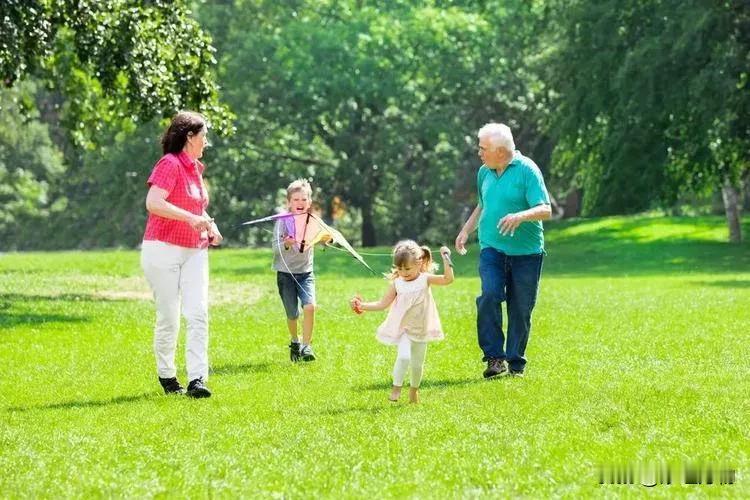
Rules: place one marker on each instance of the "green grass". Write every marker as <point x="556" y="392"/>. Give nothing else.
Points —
<point x="638" y="354"/>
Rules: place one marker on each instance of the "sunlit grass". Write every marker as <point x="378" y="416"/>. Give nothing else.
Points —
<point x="638" y="353"/>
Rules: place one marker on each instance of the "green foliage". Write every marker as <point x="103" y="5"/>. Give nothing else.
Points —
<point x="29" y="164"/>
<point x="113" y="60"/>
<point x="608" y="380"/>
<point x="374" y="100"/>
<point x="650" y="98"/>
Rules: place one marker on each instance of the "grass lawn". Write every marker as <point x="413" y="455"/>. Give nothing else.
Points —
<point x="638" y="354"/>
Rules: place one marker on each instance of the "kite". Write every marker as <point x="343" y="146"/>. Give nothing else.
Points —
<point x="308" y="229"/>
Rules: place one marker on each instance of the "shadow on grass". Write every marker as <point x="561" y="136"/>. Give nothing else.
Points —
<point x="632" y="246"/>
<point x="386" y="386"/>
<point x="725" y="283"/>
<point x="373" y="410"/>
<point x="12" y="320"/>
<point x="243" y="368"/>
<point x="71" y="405"/>
<point x="61" y="297"/>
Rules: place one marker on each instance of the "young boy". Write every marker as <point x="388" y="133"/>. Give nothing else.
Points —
<point x="293" y="261"/>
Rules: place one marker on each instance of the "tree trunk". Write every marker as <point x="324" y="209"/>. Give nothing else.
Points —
<point x="731" y="196"/>
<point x="572" y="204"/>
<point x="368" y="227"/>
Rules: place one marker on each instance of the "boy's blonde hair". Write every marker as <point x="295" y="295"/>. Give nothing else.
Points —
<point x="299" y="185"/>
<point x="407" y="252"/>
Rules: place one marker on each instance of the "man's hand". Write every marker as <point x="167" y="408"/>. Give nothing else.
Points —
<point x="509" y="224"/>
<point x="461" y="242"/>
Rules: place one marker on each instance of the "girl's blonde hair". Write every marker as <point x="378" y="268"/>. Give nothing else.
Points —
<point x="407" y="252"/>
<point x="299" y="185"/>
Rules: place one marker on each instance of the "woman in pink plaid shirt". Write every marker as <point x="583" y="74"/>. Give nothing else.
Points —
<point x="174" y="255"/>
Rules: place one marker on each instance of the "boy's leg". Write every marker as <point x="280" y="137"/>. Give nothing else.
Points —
<point x="288" y="293"/>
<point x="306" y="291"/>
<point x="291" y="324"/>
<point x="308" y="322"/>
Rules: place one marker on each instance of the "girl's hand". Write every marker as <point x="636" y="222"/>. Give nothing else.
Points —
<point x="446" y="254"/>
<point x="356" y="304"/>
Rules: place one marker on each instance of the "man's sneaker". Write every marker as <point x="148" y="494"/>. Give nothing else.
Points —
<point x="294" y="348"/>
<point x="197" y="389"/>
<point x="307" y="353"/>
<point x="171" y="386"/>
<point x="495" y="368"/>
<point x="516" y="373"/>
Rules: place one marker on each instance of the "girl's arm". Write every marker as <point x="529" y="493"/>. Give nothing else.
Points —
<point x="447" y="277"/>
<point x="358" y="306"/>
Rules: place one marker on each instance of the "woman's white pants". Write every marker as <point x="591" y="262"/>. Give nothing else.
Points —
<point x="176" y="273"/>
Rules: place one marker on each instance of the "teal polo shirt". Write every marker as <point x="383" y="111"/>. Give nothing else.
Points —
<point x="518" y="188"/>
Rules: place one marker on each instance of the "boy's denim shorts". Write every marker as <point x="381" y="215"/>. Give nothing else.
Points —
<point x="295" y="289"/>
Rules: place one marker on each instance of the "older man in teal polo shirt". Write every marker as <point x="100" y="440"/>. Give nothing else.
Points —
<point x="512" y="203"/>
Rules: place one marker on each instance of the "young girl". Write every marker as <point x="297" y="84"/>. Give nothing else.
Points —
<point x="413" y="319"/>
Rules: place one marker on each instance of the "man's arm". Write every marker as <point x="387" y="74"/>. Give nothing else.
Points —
<point x="470" y="225"/>
<point x="510" y="222"/>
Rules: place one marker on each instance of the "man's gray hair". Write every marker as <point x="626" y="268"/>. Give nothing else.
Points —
<point x="499" y="136"/>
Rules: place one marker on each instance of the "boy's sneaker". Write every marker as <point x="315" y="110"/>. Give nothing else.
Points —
<point x="516" y="373"/>
<point x="197" y="389"/>
<point x="171" y="386"/>
<point x="307" y="353"/>
<point x="495" y="368"/>
<point x="294" y="348"/>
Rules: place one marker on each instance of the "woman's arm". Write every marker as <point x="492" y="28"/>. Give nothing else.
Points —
<point x="157" y="204"/>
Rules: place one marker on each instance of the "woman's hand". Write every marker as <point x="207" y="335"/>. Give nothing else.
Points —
<point x="200" y="222"/>
<point x="214" y="235"/>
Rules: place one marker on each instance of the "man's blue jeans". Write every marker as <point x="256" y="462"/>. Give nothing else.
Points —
<point x="513" y="279"/>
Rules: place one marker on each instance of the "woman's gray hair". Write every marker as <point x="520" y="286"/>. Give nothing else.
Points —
<point x="499" y="136"/>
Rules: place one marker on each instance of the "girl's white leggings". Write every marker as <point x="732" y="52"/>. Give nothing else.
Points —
<point x="409" y="353"/>
<point x="176" y="273"/>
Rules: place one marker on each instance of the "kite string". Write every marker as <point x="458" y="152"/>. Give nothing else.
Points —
<point x="281" y="254"/>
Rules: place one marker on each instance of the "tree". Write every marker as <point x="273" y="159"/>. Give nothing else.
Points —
<point x="29" y="163"/>
<point x="651" y="100"/>
<point x="112" y="60"/>
<point x="374" y="97"/>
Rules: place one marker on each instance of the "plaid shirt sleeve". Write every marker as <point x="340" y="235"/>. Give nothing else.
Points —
<point x="164" y="175"/>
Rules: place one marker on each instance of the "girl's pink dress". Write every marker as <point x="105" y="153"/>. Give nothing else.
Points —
<point x="413" y="313"/>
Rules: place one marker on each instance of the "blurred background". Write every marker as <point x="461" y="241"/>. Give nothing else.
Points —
<point x="627" y="106"/>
